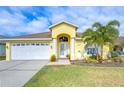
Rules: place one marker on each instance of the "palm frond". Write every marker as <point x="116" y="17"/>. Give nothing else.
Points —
<point x="97" y="25"/>
<point x="114" y="23"/>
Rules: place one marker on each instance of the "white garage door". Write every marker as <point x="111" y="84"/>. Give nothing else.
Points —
<point x="30" y="51"/>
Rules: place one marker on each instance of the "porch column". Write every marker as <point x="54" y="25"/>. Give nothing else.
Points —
<point x="72" y="49"/>
<point x="54" y="46"/>
<point x="8" y="48"/>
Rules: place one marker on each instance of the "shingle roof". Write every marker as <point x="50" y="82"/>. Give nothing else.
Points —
<point x="119" y="41"/>
<point x="78" y="34"/>
<point x="1" y="36"/>
<point x="42" y="35"/>
<point x="37" y="35"/>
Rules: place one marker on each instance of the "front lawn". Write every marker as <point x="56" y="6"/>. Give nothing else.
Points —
<point x="77" y="76"/>
<point x="2" y="58"/>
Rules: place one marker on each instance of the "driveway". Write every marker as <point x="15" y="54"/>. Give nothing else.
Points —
<point x="17" y="73"/>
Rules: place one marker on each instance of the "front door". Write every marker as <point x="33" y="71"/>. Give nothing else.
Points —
<point x="63" y="49"/>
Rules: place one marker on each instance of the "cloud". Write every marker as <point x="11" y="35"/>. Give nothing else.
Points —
<point x="16" y="23"/>
<point x="25" y="20"/>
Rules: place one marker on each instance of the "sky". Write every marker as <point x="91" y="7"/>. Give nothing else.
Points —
<point x="15" y="21"/>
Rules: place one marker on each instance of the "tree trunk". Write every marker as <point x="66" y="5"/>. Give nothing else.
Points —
<point x="97" y="54"/>
<point x="101" y="55"/>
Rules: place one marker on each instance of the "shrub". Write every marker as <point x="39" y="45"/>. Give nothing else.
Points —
<point x="92" y="56"/>
<point x="2" y="57"/>
<point x="114" y="54"/>
<point x="117" y="59"/>
<point x="68" y="56"/>
<point x="53" y="58"/>
<point x="89" y="60"/>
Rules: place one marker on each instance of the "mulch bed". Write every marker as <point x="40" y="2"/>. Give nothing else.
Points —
<point x="105" y="64"/>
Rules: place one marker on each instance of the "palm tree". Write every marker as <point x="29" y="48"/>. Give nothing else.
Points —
<point x="100" y="35"/>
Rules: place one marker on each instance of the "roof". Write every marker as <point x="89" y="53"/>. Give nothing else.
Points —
<point x="47" y="36"/>
<point x="119" y="41"/>
<point x="63" y="22"/>
<point x="78" y="34"/>
<point x="42" y="35"/>
<point x="1" y="36"/>
<point x="37" y="35"/>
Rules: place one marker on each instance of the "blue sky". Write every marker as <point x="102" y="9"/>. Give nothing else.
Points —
<point x="28" y="20"/>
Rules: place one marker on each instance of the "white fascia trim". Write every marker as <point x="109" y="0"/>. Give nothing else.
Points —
<point x="78" y="38"/>
<point x="25" y="39"/>
<point x="62" y="22"/>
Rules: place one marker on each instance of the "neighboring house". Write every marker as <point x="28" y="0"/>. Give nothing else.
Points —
<point x="2" y="47"/>
<point x="62" y="40"/>
<point x="120" y="43"/>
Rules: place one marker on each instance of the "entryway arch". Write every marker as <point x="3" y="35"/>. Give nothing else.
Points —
<point x="63" y="45"/>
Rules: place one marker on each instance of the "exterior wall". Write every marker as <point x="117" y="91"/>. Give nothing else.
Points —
<point x="79" y="46"/>
<point x="105" y="51"/>
<point x="63" y="29"/>
<point x="8" y="49"/>
<point x="72" y="48"/>
<point x="8" y="46"/>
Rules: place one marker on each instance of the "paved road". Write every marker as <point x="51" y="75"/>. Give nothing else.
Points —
<point x="17" y="73"/>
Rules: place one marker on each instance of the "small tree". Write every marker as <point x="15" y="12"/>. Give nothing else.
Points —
<point x="100" y="35"/>
<point x="53" y="58"/>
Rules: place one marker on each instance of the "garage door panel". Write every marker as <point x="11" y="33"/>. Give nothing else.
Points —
<point x="30" y="52"/>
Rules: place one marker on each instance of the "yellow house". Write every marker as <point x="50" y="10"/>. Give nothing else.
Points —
<point x="62" y="40"/>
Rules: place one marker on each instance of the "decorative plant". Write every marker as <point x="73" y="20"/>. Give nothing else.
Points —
<point x="53" y="58"/>
<point x="68" y="56"/>
<point x="100" y="35"/>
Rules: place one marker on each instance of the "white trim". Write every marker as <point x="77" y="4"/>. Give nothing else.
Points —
<point x="62" y="22"/>
<point x="72" y="48"/>
<point x="25" y="39"/>
<point x="78" y="38"/>
<point x="54" y="46"/>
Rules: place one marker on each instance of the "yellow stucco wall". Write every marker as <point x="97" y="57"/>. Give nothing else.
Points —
<point x="63" y="29"/>
<point x="8" y="49"/>
<point x="105" y="51"/>
<point x="79" y="46"/>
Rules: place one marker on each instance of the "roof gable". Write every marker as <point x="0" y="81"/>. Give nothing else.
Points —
<point x="63" y="22"/>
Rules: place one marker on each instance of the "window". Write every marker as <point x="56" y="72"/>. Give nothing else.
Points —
<point x="22" y="44"/>
<point x="14" y="44"/>
<point x="63" y="39"/>
<point x="47" y="44"/>
<point x="42" y="44"/>
<point x="27" y="44"/>
<point x="32" y="44"/>
<point x="37" y="44"/>
<point x="91" y="51"/>
<point x="17" y="44"/>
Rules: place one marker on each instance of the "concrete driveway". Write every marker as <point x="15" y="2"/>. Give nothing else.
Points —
<point x="17" y="73"/>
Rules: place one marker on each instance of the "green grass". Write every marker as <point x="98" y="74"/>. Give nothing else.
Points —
<point x="2" y="58"/>
<point x="77" y="76"/>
